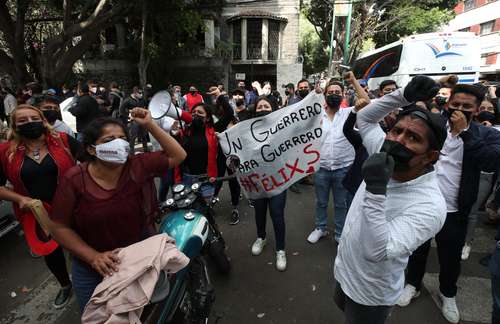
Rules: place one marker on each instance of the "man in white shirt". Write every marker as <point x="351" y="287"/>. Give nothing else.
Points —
<point x="9" y="103"/>
<point x="469" y="149"/>
<point x="337" y="155"/>
<point x="396" y="209"/>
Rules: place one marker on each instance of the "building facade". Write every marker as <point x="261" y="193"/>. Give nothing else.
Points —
<point x="483" y="18"/>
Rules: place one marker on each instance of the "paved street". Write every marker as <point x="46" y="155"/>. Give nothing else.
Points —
<point x="255" y="292"/>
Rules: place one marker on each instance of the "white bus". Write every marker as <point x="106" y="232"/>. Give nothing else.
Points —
<point x="433" y="54"/>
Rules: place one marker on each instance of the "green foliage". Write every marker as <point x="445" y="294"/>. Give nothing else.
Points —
<point x="310" y="47"/>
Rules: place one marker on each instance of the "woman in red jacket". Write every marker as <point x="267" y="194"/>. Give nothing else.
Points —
<point x="200" y="143"/>
<point x="33" y="161"/>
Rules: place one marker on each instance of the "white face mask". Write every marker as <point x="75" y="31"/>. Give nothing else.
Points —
<point x="116" y="151"/>
<point x="266" y="92"/>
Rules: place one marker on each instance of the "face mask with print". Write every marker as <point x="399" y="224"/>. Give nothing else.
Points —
<point x="116" y="151"/>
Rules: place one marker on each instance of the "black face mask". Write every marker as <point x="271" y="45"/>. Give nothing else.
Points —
<point x="262" y="113"/>
<point x="198" y="122"/>
<point x="399" y="153"/>
<point x="31" y="130"/>
<point x="440" y="101"/>
<point x="239" y="102"/>
<point x="287" y="93"/>
<point x="51" y="115"/>
<point x="468" y="114"/>
<point x="193" y="93"/>
<point x="486" y="116"/>
<point x="333" y="101"/>
<point x="303" y="93"/>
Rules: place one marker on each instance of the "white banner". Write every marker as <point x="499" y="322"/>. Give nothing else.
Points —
<point x="277" y="150"/>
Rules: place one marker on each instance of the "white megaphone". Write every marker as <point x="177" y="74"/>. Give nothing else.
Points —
<point x="161" y="105"/>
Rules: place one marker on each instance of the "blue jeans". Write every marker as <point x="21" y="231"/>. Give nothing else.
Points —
<point x="277" y="211"/>
<point x="495" y="284"/>
<point x="85" y="280"/>
<point x="325" y="180"/>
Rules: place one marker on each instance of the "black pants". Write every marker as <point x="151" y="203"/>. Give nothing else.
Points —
<point x="56" y="262"/>
<point x="234" y="186"/>
<point x="359" y="314"/>
<point x="450" y="241"/>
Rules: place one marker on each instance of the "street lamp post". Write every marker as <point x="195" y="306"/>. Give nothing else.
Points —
<point x="347" y="34"/>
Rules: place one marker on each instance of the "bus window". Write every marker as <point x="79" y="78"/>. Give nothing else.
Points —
<point x="381" y="64"/>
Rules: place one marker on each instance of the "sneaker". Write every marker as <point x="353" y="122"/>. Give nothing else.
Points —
<point x="235" y="217"/>
<point x="316" y="235"/>
<point x="63" y="297"/>
<point x="258" y="246"/>
<point x="409" y="293"/>
<point x="466" y="251"/>
<point x="281" y="260"/>
<point x="449" y="309"/>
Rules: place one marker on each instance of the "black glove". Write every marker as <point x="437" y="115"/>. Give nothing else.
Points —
<point x="377" y="170"/>
<point x="421" y="88"/>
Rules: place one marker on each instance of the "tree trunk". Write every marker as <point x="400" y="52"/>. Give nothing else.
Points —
<point x="143" y="60"/>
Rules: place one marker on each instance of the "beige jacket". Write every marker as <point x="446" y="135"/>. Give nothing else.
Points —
<point x="120" y="298"/>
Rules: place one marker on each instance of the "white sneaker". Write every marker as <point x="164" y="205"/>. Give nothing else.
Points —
<point x="281" y="260"/>
<point x="258" y="246"/>
<point x="316" y="235"/>
<point x="466" y="251"/>
<point x="409" y="293"/>
<point x="449" y="309"/>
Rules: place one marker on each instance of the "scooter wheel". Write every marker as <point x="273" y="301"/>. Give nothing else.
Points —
<point x="218" y="254"/>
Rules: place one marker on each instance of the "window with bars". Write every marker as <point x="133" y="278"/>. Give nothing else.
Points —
<point x="273" y="40"/>
<point x="469" y="5"/>
<point x="254" y="39"/>
<point x="237" y="40"/>
<point x="487" y="27"/>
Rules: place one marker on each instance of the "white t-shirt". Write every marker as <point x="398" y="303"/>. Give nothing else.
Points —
<point x="336" y="151"/>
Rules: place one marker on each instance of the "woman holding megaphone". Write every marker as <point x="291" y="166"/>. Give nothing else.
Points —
<point x="33" y="161"/>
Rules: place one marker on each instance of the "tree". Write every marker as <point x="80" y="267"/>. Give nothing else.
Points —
<point x="382" y="20"/>
<point x="310" y="47"/>
<point x="76" y="27"/>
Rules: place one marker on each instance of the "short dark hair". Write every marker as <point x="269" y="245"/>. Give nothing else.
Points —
<point x="84" y="88"/>
<point x="473" y="90"/>
<point x="385" y="83"/>
<point x="93" y="131"/>
<point x="113" y="84"/>
<point x="48" y="99"/>
<point x="290" y="86"/>
<point x="334" y="82"/>
<point x="303" y="80"/>
<point x="35" y="87"/>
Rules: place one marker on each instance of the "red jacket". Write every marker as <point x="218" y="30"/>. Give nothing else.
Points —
<point x="191" y="100"/>
<point x="58" y="148"/>
<point x="212" y="155"/>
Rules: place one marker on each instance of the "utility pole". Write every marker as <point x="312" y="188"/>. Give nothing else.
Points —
<point x="330" y="56"/>
<point x="347" y="34"/>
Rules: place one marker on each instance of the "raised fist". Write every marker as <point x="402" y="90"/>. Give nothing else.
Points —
<point x="421" y="88"/>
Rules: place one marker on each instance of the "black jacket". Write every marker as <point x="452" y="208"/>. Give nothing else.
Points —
<point x="354" y="177"/>
<point x="481" y="153"/>
<point x="85" y="111"/>
<point x="128" y="104"/>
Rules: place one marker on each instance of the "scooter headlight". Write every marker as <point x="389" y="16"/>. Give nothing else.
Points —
<point x="178" y="188"/>
<point x="195" y="187"/>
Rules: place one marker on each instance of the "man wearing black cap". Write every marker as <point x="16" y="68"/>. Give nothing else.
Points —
<point x="396" y="209"/>
<point x="469" y="149"/>
<point x="85" y="111"/>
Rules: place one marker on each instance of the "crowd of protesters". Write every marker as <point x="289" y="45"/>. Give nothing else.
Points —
<point x="404" y="163"/>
